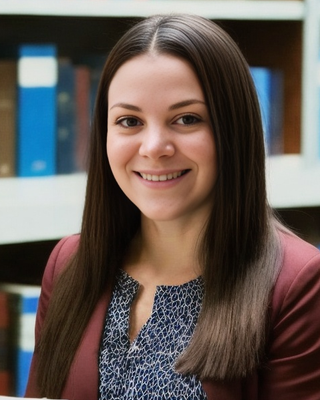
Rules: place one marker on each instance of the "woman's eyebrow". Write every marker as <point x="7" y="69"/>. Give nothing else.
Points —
<point x="127" y="106"/>
<point x="185" y="103"/>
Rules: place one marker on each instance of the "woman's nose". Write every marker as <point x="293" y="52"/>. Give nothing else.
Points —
<point x="156" y="143"/>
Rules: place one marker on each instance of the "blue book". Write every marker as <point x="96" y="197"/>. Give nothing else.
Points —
<point x="269" y="86"/>
<point x="262" y="80"/>
<point x="66" y="117"/>
<point x="23" y="303"/>
<point x="37" y="81"/>
<point x="277" y="111"/>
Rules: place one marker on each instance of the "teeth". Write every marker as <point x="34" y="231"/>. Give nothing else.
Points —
<point x="162" y="178"/>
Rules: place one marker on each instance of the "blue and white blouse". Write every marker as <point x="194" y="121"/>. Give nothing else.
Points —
<point x="144" y="369"/>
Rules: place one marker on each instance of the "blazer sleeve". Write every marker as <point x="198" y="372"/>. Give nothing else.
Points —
<point x="57" y="260"/>
<point x="293" y="368"/>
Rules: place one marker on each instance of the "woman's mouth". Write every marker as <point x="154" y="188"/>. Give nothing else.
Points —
<point x="163" y="177"/>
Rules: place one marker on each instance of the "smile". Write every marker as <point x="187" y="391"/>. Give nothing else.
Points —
<point x="162" y="178"/>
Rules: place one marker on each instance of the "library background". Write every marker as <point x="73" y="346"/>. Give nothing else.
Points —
<point x="51" y="55"/>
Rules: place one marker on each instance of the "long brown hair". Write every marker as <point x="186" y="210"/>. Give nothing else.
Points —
<point x="239" y="250"/>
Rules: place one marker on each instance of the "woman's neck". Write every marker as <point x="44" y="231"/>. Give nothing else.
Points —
<point x="165" y="253"/>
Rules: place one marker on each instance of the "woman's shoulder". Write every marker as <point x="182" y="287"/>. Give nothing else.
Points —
<point x="65" y="248"/>
<point x="297" y="250"/>
<point x="60" y="256"/>
<point x="294" y="340"/>
<point x="58" y="259"/>
<point x="299" y="275"/>
<point x="297" y="255"/>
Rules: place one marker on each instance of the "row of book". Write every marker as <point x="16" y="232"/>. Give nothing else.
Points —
<point x="46" y="104"/>
<point x="18" y="306"/>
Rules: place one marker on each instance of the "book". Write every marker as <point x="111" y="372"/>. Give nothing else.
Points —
<point x="82" y="104"/>
<point x="277" y="111"/>
<point x="4" y="341"/>
<point x="269" y="86"/>
<point x="66" y="117"/>
<point x="36" y="137"/>
<point x="96" y="65"/>
<point x="8" y="83"/>
<point x="23" y="303"/>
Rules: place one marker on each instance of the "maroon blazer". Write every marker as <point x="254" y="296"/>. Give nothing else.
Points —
<point x="293" y="368"/>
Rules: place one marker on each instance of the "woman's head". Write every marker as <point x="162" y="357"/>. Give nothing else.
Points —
<point x="160" y="144"/>
<point x="223" y="73"/>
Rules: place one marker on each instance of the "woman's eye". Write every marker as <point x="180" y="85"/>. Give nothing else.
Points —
<point x="187" y="120"/>
<point x="129" y="122"/>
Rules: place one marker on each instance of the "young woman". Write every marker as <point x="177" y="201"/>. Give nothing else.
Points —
<point x="182" y="284"/>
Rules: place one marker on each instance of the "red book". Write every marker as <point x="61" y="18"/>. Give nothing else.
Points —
<point x="5" y="386"/>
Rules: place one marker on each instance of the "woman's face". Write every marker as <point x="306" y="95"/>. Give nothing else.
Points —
<point x="160" y="143"/>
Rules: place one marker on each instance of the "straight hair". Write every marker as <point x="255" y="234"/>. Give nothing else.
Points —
<point x="239" y="249"/>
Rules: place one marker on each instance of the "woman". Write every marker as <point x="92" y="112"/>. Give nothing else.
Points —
<point x="182" y="284"/>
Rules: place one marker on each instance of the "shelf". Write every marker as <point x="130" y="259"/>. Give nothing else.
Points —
<point x="227" y="9"/>
<point x="292" y="183"/>
<point x="34" y="209"/>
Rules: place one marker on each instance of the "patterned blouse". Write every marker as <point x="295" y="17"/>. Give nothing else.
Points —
<point x="144" y="369"/>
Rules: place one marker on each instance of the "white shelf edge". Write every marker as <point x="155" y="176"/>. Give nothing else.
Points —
<point x="292" y="183"/>
<point x="34" y="209"/>
<point x="215" y="9"/>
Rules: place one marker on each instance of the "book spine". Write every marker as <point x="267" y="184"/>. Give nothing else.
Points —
<point x="26" y="342"/>
<point x="269" y="86"/>
<point x="82" y="115"/>
<point x="65" y="117"/>
<point x="8" y="83"/>
<point x="5" y="388"/>
<point x="23" y="303"/>
<point x="262" y="79"/>
<point x="37" y="81"/>
<point x="276" y="113"/>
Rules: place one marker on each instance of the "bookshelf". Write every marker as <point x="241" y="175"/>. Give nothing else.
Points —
<point x="36" y="212"/>
<point x="276" y="33"/>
